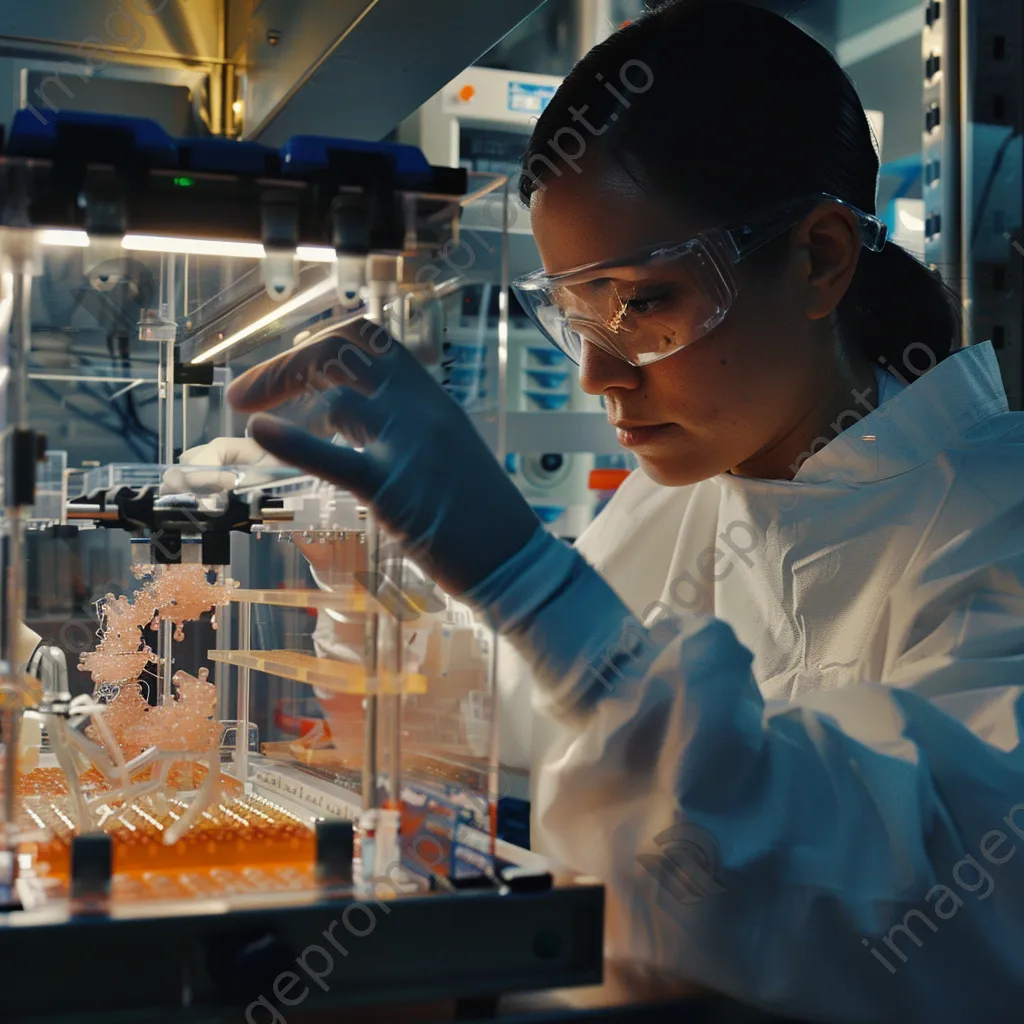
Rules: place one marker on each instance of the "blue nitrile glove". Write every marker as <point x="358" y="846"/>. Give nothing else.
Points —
<point x="435" y="486"/>
<point x="427" y="474"/>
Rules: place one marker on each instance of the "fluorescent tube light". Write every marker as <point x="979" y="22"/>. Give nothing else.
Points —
<point x="64" y="236"/>
<point x="193" y="246"/>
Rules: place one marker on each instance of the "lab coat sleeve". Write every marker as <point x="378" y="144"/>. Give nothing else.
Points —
<point x="852" y="857"/>
<point x="325" y="641"/>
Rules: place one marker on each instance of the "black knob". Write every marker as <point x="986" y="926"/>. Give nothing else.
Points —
<point x="551" y="462"/>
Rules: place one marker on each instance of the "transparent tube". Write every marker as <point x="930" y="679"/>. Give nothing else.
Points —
<point x="12" y="691"/>
<point x="242" y="723"/>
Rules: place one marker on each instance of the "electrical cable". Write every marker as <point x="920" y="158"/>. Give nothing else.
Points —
<point x="126" y="427"/>
<point x="92" y="417"/>
<point x="986" y="192"/>
<point x="128" y="413"/>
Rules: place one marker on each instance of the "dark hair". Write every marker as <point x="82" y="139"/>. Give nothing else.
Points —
<point x="733" y="109"/>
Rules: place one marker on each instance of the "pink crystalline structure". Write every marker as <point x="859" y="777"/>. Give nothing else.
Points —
<point x="123" y="714"/>
<point x="117" y="658"/>
<point x="178" y="593"/>
<point x="183" y="724"/>
<point x="181" y="593"/>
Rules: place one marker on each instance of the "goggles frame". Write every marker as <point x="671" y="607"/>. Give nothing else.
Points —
<point x="717" y="249"/>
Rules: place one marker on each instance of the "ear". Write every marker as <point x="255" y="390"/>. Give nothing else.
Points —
<point x="830" y="242"/>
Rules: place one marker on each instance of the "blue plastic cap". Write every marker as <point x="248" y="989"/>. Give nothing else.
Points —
<point x="302" y="154"/>
<point x="228" y="156"/>
<point x="30" y="136"/>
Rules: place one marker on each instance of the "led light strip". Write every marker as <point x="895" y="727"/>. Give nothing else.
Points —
<point x="187" y="246"/>
<point x="193" y="246"/>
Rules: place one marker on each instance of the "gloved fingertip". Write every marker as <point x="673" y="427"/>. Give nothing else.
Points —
<point x="239" y="393"/>
<point x="266" y="429"/>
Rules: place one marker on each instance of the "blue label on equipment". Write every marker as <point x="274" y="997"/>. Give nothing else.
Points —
<point x="529" y="97"/>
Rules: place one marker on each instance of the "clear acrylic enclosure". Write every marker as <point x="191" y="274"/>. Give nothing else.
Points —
<point x="233" y="655"/>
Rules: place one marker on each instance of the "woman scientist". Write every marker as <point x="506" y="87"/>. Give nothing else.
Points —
<point x="788" y="733"/>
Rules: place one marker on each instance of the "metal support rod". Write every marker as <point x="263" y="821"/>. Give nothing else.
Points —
<point x="394" y="725"/>
<point x="965" y="130"/>
<point x="943" y="146"/>
<point x="370" y="752"/>
<point x="165" y="636"/>
<point x="242" y="715"/>
<point x="165" y="646"/>
<point x="167" y="385"/>
<point x="370" y="661"/>
<point x="502" y="440"/>
<point x="184" y="313"/>
<point x="168" y="285"/>
<point x="184" y="416"/>
<point x="65" y="484"/>
<point x="396" y="581"/>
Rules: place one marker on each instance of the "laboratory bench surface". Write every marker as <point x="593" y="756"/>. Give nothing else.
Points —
<point x="630" y="993"/>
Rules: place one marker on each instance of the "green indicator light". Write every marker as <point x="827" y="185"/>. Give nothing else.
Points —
<point x="184" y="182"/>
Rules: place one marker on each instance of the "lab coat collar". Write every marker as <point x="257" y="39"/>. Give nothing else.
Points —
<point x="927" y="417"/>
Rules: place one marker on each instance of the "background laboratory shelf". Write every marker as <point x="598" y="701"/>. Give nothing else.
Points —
<point x="337" y="676"/>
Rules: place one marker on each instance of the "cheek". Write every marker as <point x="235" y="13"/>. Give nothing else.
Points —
<point x="714" y="382"/>
<point x="732" y="380"/>
<point x="758" y="346"/>
<point x="695" y="387"/>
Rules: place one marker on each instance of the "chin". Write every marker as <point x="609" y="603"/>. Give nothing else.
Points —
<point x="675" y="472"/>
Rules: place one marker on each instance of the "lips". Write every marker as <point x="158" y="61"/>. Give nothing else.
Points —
<point x="638" y="435"/>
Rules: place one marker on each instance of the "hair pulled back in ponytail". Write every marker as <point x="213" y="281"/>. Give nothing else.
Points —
<point x="733" y="109"/>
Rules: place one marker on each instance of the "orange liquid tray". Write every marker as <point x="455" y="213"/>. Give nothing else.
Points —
<point x="235" y="832"/>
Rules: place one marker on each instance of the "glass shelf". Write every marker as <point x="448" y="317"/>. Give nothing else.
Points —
<point x="352" y="599"/>
<point x="347" y="599"/>
<point x="336" y="676"/>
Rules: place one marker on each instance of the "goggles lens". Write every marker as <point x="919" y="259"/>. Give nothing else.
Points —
<point x="659" y="301"/>
<point x="639" y="313"/>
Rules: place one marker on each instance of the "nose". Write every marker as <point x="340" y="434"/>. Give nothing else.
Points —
<point x="600" y="371"/>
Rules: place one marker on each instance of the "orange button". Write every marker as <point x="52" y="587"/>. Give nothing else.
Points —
<point x="607" y="479"/>
<point x="467" y="92"/>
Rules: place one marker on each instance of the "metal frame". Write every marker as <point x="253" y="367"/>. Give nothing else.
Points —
<point x="196" y="81"/>
<point x="973" y="163"/>
<point x="205" y="961"/>
<point x="941" y="147"/>
<point x="289" y="69"/>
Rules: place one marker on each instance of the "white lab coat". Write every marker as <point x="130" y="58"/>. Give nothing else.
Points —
<point x="805" y="788"/>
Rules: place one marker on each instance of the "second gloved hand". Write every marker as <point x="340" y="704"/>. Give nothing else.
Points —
<point x="417" y="460"/>
<point x="196" y="470"/>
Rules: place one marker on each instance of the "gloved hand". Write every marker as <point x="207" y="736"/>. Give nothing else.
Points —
<point x="431" y="480"/>
<point x="221" y="451"/>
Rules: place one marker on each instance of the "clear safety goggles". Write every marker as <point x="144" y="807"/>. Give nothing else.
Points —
<point x="650" y="304"/>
